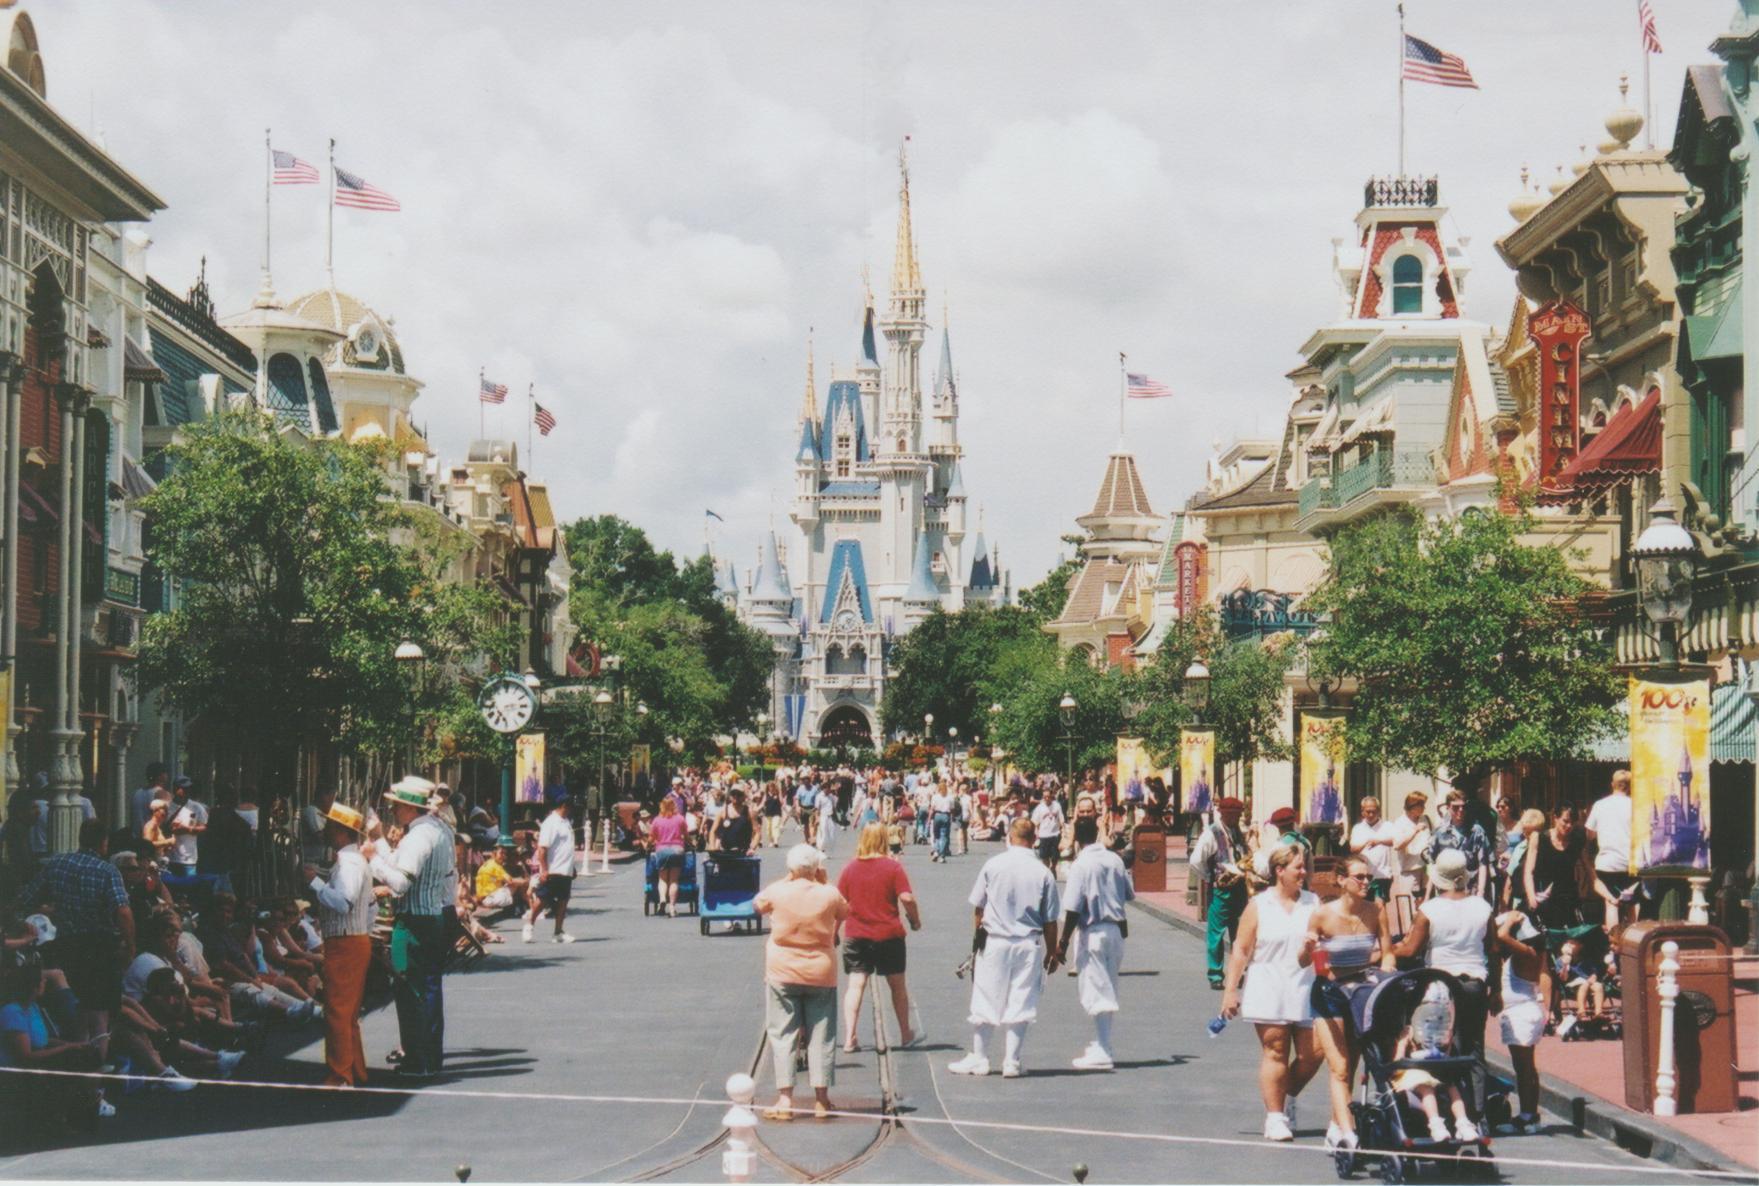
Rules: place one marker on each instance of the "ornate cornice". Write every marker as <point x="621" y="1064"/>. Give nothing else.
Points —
<point x="33" y="129"/>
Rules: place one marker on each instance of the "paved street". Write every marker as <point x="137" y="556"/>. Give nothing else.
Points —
<point x="647" y="1008"/>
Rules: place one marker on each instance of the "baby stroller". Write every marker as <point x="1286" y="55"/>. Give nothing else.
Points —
<point x="1392" y="1130"/>
<point x="650" y="885"/>
<point x="1592" y="955"/>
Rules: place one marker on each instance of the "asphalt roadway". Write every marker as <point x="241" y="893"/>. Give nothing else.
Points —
<point x="642" y="1010"/>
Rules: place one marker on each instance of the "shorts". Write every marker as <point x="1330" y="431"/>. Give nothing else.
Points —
<point x="557" y="888"/>
<point x="1048" y="847"/>
<point x="1332" y="998"/>
<point x="93" y="966"/>
<point x="1523" y="1023"/>
<point x="874" y="957"/>
<point x="670" y="856"/>
<point x="1615" y="883"/>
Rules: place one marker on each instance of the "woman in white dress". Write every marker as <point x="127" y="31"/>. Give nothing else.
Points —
<point x="1268" y="954"/>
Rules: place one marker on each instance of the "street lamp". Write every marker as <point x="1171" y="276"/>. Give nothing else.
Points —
<point x="1066" y="710"/>
<point x="410" y="656"/>
<point x="1197" y="688"/>
<point x="927" y="726"/>
<point x="1667" y="563"/>
<point x="601" y="707"/>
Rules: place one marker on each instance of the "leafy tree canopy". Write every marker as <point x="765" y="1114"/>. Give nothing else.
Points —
<point x="947" y="663"/>
<point x="1247" y="679"/>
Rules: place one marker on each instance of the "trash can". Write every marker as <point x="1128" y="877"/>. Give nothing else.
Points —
<point x="1148" y="871"/>
<point x="1704" y="1016"/>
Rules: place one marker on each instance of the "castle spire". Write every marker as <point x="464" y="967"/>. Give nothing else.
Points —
<point x="906" y="277"/>
<point x="809" y="405"/>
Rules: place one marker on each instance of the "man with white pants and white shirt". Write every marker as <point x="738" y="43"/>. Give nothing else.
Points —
<point x="1094" y="901"/>
<point x="1016" y="905"/>
<point x="554" y="882"/>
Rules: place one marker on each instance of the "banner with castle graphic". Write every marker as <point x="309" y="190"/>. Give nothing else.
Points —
<point x="1670" y="773"/>
<point x="1322" y="765"/>
<point x="528" y="767"/>
<point x="1197" y="768"/>
<point x="1133" y="767"/>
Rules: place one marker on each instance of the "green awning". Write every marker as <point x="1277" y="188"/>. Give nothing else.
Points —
<point x="1734" y="730"/>
<point x="1716" y="334"/>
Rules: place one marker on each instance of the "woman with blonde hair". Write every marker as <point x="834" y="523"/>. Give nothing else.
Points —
<point x="876" y="888"/>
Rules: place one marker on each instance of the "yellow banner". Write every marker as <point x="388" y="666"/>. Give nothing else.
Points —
<point x="528" y="767"/>
<point x="1133" y="766"/>
<point x="640" y="761"/>
<point x="1197" y="768"/>
<point x="1322" y="757"/>
<point x="1670" y="773"/>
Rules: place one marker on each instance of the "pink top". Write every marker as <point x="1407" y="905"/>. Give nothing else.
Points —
<point x="803" y="929"/>
<point x="667" y="831"/>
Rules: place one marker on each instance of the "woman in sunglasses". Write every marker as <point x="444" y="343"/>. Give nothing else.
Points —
<point x="1348" y="938"/>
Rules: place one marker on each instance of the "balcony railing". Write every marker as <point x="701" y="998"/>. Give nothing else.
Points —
<point x="1395" y="469"/>
<point x="1316" y="495"/>
<point x="1401" y="191"/>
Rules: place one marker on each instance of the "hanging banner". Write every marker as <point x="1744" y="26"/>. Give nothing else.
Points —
<point x="1670" y="772"/>
<point x="1133" y="768"/>
<point x="1322" y="756"/>
<point x="640" y="761"/>
<point x="528" y="767"/>
<point x="1197" y="767"/>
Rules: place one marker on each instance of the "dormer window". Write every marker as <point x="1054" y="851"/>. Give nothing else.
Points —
<point x="1407" y="285"/>
<point x="845" y="449"/>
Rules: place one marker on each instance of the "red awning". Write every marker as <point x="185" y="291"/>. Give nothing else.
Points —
<point x="1628" y="447"/>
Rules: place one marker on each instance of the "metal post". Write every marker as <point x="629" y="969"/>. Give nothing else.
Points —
<point x="1668" y="988"/>
<point x="64" y="813"/>
<point x="11" y="388"/>
<point x="507" y="797"/>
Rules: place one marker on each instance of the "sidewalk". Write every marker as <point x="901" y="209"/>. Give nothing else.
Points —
<point x="1585" y="1080"/>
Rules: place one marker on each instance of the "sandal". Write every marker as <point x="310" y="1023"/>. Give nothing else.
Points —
<point x="778" y="1114"/>
<point x="821" y="1110"/>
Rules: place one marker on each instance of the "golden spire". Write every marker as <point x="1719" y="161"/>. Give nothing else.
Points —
<point x="906" y="277"/>
<point x="809" y="406"/>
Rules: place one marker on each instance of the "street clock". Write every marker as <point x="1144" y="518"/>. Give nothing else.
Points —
<point x="507" y="704"/>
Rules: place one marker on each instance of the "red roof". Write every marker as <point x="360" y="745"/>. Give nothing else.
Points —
<point x="1629" y="445"/>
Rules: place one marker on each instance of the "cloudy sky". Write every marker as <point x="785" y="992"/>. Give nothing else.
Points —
<point x="643" y="207"/>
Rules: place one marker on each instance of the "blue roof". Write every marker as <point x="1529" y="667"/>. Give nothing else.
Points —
<point x="922" y="586"/>
<point x="956" y="482"/>
<point x="771" y="582"/>
<point x="850" y="488"/>
<point x="844" y="393"/>
<point x="808" y="450"/>
<point x="183" y="370"/>
<point x="982" y="576"/>
<point x="868" y="354"/>
<point x="846" y="560"/>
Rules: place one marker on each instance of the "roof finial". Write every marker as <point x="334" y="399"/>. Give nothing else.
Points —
<point x="809" y="406"/>
<point x="906" y="277"/>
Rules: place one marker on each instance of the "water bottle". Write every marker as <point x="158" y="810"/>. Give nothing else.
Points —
<point x="1217" y="1024"/>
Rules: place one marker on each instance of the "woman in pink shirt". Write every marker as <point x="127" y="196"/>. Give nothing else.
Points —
<point x="801" y="973"/>
<point x="665" y="840"/>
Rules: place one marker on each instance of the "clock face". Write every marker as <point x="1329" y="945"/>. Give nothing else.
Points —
<point x="366" y="344"/>
<point x="846" y="620"/>
<point x="507" y="705"/>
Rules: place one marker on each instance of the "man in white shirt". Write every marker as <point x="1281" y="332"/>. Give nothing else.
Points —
<point x="1047" y="823"/>
<point x="346" y="908"/>
<point x="555" y="871"/>
<point x="158" y="787"/>
<point x="189" y="819"/>
<point x="1372" y="840"/>
<point x="1609" y="826"/>
<point x="826" y="802"/>
<point x="940" y="819"/>
<point x="1093" y="900"/>
<point x="1410" y="837"/>
<point x="1014" y="946"/>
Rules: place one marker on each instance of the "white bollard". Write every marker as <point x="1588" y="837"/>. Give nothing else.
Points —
<point x="1698" y="912"/>
<point x="605" y="866"/>
<point x="1668" y="986"/>
<point x="740" y="1159"/>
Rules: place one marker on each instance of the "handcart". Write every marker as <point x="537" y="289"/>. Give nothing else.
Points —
<point x="729" y="889"/>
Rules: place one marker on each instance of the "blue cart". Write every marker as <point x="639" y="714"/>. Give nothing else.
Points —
<point x="729" y="886"/>
<point x="687" y="891"/>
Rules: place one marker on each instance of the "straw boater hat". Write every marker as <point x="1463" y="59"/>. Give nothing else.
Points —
<point x="348" y="817"/>
<point x="412" y="792"/>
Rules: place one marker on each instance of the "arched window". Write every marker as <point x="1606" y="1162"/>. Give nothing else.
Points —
<point x="1407" y="284"/>
<point x="287" y="389"/>
<point x="320" y="387"/>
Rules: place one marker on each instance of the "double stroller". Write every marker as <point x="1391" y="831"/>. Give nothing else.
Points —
<point x="1405" y="1022"/>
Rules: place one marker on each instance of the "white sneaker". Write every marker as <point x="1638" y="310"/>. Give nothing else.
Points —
<point x="1438" y="1129"/>
<point x="1566" y="1025"/>
<point x="170" y="1080"/>
<point x="1333" y="1136"/>
<point x="229" y="1060"/>
<point x="1094" y="1059"/>
<point x="1276" y="1127"/>
<point x="562" y="937"/>
<point x="525" y="933"/>
<point x="1012" y="1070"/>
<point x="970" y="1065"/>
<point x="1465" y="1130"/>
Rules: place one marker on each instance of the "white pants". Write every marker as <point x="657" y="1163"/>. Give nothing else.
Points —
<point x="1006" y="981"/>
<point x="1099" y="952"/>
<point x="498" y="899"/>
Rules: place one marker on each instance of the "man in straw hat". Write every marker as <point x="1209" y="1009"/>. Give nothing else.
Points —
<point x="345" y="907"/>
<point x="421" y="875"/>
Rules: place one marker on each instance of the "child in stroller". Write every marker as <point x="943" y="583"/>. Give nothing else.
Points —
<point x="1585" y="976"/>
<point x="1406" y="1027"/>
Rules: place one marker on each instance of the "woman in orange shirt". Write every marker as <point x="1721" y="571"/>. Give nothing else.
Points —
<point x="801" y="973"/>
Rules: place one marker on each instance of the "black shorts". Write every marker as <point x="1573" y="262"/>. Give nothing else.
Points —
<point x="1048" y="847"/>
<point x="556" y="889"/>
<point x="93" y="967"/>
<point x="874" y="957"/>
<point x="1616" y="883"/>
<point x="1332" y="999"/>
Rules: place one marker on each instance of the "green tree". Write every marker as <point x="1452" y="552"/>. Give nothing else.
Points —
<point x="1466" y="645"/>
<point x="1044" y="601"/>
<point x="1029" y="684"/>
<point x="1245" y="691"/>
<point x="945" y="664"/>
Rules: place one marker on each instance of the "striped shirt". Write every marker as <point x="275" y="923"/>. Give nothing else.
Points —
<point x="345" y="903"/>
<point x="420" y="871"/>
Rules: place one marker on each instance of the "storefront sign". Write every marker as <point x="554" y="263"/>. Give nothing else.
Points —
<point x="1670" y="772"/>
<point x="528" y="767"/>
<point x="1558" y="330"/>
<point x="1188" y="594"/>
<point x="1197" y="768"/>
<point x="1322" y="759"/>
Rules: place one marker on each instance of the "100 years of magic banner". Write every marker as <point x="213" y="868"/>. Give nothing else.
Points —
<point x="1670" y="773"/>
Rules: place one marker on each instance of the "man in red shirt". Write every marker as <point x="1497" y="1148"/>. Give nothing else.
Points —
<point x="876" y="888"/>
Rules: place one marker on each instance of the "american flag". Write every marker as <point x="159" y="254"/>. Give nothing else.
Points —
<point x="361" y="194"/>
<point x="1646" y="17"/>
<point x="1142" y="387"/>
<point x="493" y="393"/>
<point x="1425" y="63"/>
<point x="290" y="170"/>
<point x="544" y="419"/>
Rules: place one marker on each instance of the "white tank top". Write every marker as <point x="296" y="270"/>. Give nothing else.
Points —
<point x="1456" y="935"/>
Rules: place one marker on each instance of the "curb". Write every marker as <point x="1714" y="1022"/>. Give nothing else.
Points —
<point x="1638" y="1134"/>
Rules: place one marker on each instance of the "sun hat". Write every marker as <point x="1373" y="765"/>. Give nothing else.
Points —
<point x="1449" y="869"/>
<point x="412" y="792"/>
<point x="347" y="816"/>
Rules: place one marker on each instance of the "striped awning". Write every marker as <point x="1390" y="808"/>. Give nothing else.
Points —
<point x="1734" y="728"/>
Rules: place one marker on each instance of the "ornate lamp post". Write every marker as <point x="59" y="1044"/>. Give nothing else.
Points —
<point x="411" y="657"/>
<point x="601" y="728"/>
<point x="1066" y="711"/>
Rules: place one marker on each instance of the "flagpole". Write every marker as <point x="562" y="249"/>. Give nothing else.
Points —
<point x="268" y="188"/>
<point x="482" y="429"/>
<point x="1401" y="90"/>
<point x="1123" y="384"/>
<point x="1648" y="108"/>
<point x="530" y="421"/>
<point x="330" y="221"/>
